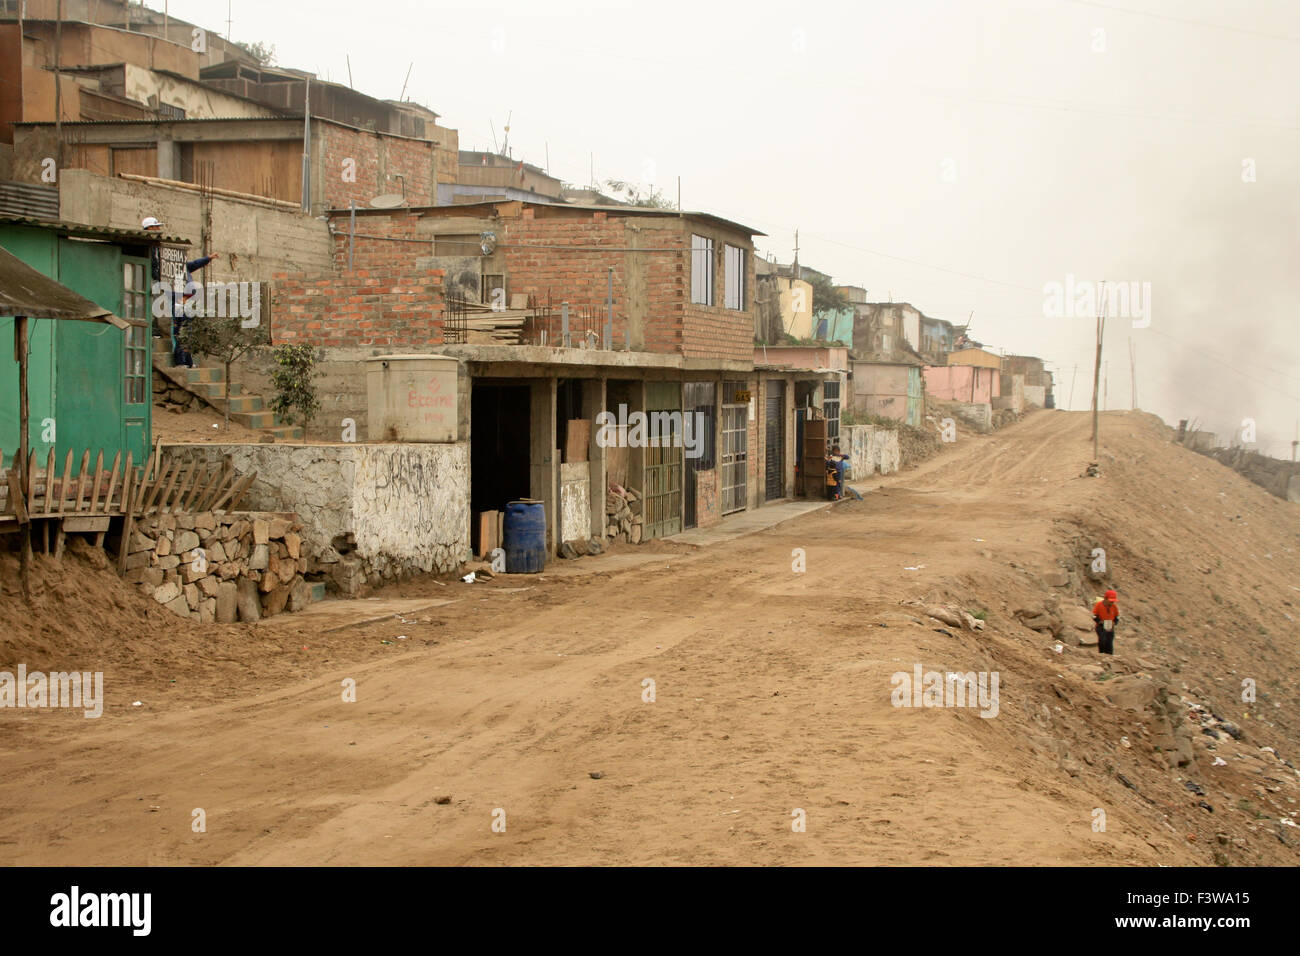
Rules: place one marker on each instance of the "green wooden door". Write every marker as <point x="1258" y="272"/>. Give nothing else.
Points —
<point x="89" y="363"/>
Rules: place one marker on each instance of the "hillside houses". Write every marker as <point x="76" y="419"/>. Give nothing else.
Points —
<point x="466" y="295"/>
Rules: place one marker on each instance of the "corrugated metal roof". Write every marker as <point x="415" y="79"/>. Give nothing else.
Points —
<point x="93" y="232"/>
<point x="29" y="199"/>
<point x="24" y="291"/>
<point x="616" y="210"/>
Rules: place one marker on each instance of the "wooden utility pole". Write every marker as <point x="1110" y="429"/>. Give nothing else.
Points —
<point x="21" y="347"/>
<point x="1096" y="368"/>
<point x="1073" y="378"/>
<point x="58" y="89"/>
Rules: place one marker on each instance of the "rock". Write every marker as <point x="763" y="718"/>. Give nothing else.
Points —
<point x="140" y="543"/>
<point x="191" y="593"/>
<point x="1079" y="618"/>
<point x="279" y="527"/>
<point x="1131" y="692"/>
<point x="260" y="558"/>
<point x="568" y="551"/>
<point x="141" y="559"/>
<point x="216" y="552"/>
<point x="247" y="603"/>
<point x="209" y="586"/>
<point x="180" y="607"/>
<point x="261" y="531"/>
<point x="268" y="583"/>
<point x="207" y="610"/>
<point x="1231" y="729"/>
<point x="594" y="546"/>
<point x="189" y="574"/>
<point x="185" y="522"/>
<point x="1088" y="639"/>
<point x="945" y="615"/>
<point x="205" y="521"/>
<point x="442" y="801"/>
<point x="228" y="571"/>
<point x="166" y="593"/>
<point x="636" y="534"/>
<point x="275" y="601"/>
<point x="596" y="774"/>
<point x="169" y="561"/>
<point x="152" y="576"/>
<point x="185" y="541"/>
<point x="166" y="523"/>
<point x="227" y="610"/>
<point x="1057" y="578"/>
<point x="299" y="594"/>
<point x="1038" y="619"/>
<point x="163" y="546"/>
<point x="293" y="544"/>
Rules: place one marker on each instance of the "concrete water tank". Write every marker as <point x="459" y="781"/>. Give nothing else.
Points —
<point x="412" y="398"/>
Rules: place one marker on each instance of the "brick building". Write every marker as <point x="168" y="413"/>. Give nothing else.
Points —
<point x="660" y="320"/>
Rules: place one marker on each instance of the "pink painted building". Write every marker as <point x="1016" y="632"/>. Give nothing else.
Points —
<point x="963" y="383"/>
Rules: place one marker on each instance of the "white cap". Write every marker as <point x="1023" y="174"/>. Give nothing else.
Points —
<point x="150" y="222"/>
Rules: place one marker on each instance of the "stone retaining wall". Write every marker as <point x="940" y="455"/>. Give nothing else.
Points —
<point x="220" y="567"/>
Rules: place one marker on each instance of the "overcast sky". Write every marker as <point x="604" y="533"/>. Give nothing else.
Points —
<point x="955" y="154"/>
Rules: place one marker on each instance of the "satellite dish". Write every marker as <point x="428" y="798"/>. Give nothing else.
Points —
<point x="388" y="201"/>
<point x="487" y="242"/>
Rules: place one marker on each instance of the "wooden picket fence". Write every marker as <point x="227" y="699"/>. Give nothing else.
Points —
<point x="86" y="500"/>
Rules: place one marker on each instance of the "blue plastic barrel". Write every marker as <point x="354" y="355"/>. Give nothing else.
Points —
<point x="525" y="536"/>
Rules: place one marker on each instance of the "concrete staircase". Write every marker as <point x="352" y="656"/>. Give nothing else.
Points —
<point x="208" y="384"/>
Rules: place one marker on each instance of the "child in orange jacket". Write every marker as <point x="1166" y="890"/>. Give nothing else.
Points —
<point x="1106" y="615"/>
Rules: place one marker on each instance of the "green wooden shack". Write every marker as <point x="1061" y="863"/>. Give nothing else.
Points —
<point x="90" y="384"/>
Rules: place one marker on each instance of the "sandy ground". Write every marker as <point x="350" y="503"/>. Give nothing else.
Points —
<point x="200" y="424"/>
<point x="525" y="699"/>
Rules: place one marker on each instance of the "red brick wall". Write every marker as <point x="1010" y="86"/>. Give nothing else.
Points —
<point x="383" y="253"/>
<point x="380" y="159"/>
<point x="569" y="254"/>
<point x="366" y="307"/>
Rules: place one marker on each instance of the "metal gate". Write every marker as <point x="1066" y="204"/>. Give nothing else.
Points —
<point x="698" y="398"/>
<point x="735" y="448"/>
<point x="774" y="440"/>
<point x="663" y="462"/>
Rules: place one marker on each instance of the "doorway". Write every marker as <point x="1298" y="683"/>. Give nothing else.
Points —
<point x="499" y="447"/>
<point x="774" y="440"/>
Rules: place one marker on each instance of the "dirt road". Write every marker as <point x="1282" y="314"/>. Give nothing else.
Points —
<point x="770" y="695"/>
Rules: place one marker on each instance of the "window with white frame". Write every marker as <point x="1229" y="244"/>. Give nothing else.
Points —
<point x="701" y="270"/>
<point x="734" y="260"/>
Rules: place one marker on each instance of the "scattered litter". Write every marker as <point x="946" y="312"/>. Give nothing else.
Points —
<point x="1286" y="821"/>
<point x="469" y="578"/>
<point x="137" y="704"/>
<point x="596" y="774"/>
<point x="977" y="539"/>
<point x="401" y="637"/>
<point x="156" y="809"/>
<point x="385" y="642"/>
<point x="1124" y="741"/>
<point x="1219" y="762"/>
<point x="917" y="568"/>
<point x="1058" y="648"/>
